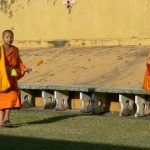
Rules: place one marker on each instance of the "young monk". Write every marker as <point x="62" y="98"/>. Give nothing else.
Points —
<point x="11" y="70"/>
<point x="147" y="75"/>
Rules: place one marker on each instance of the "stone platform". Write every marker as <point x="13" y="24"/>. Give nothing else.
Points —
<point x="93" y="99"/>
<point x="93" y="77"/>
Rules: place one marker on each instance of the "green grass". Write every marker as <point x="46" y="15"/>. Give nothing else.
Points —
<point x="46" y="130"/>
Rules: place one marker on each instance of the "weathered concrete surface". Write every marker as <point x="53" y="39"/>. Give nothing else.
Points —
<point x="110" y="67"/>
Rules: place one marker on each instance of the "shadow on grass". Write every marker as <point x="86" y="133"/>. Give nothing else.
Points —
<point x="52" y="119"/>
<point x="48" y="120"/>
<point x="24" y="143"/>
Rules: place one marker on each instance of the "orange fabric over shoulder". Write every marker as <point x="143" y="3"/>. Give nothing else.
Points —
<point x="11" y="97"/>
<point x="4" y="82"/>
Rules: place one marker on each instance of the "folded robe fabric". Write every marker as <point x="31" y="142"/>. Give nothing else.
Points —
<point x="4" y="82"/>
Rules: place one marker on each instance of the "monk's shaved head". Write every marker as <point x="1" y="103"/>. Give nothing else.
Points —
<point x="8" y="37"/>
<point x="7" y="31"/>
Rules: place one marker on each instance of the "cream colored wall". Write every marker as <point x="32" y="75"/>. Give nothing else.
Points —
<point x="96" y="22"/>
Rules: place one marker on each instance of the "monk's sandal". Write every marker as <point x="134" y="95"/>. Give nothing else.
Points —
<point x="7" y="124"/>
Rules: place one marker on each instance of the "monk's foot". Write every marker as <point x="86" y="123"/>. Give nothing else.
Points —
<point x="7" y="124"/>
<point x="1" y="124"/>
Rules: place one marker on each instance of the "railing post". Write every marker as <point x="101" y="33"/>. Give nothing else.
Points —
<point x="48" y="104"/>
<point x="61" y="98"/>
<point x="126" y="104"/>
<point x="85" y="98"/>
<point x="26" y="98"/>
<point x="142" y="106"/>
<point x="95" y="98"/>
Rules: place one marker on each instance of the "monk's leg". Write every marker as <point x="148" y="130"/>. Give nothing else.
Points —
<point x="6" y="122"/>
<point x="6" y="115"/>
<point x="1" y="117"/>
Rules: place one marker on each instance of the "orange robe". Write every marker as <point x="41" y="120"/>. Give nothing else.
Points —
<point x="11" y="97"/>
<point x="146" y="85"/>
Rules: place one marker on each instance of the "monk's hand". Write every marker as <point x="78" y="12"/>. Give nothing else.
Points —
<point x="148" y="61"/>
<point x="28" y="70"/>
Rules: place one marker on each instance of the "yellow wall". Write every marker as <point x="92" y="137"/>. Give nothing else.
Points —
<point x="91" y="22"/>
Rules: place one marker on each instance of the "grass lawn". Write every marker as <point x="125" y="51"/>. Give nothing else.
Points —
<point x="53" y="130"/>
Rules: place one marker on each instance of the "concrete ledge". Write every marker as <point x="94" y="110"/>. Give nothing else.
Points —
<point x="81" y="42"/>
<point x="82" y="88"/>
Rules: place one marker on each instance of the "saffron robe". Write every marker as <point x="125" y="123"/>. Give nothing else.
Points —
<point x="9" y="93"/>
<point x="146" y="85"/>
